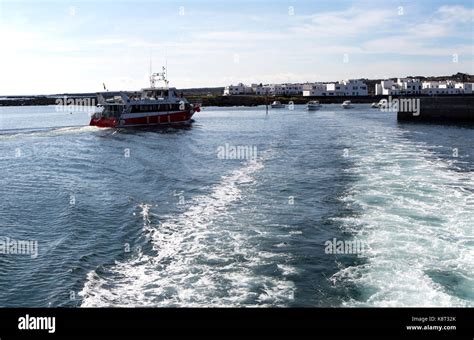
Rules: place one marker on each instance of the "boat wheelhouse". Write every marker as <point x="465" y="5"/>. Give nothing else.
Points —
<point x="151" y="106"/>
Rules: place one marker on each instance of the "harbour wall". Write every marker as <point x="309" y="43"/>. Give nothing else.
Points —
<point x="446" y="109"/>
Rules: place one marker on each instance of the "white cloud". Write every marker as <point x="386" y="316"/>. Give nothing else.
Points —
<point x="455" y="14"/>
<point x="407" y="46"/>
<point x="309" y="48"/>
<point x="445" y="22"/>
<point x="350" y="22"/>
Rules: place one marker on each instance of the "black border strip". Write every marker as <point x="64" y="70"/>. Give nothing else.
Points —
<point x="158" y="323"/>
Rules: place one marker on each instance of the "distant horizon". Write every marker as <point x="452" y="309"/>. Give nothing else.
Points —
<point x="73" y="48"/>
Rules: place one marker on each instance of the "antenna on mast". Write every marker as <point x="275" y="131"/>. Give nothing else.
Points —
<point x="151" y="77"/>
<point x="161" y="76"/>
<point x="150" y="68"/>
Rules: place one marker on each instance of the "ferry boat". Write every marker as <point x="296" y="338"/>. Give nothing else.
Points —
<point x="313" y="105"/>
<point x="346" y="104"/>
<point x="277" y="105"/>
<point x="149" y="107"/>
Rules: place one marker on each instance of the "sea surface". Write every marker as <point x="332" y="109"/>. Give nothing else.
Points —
<point x="164" y="218"/>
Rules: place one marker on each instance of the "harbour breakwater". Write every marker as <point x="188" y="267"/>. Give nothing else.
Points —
<point x="446" y="109"/>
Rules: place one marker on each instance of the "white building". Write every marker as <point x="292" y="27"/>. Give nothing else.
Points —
<point x="464" y="87"/>
<point x="279" y="89"/>
<point x="351" y="87"/>
<point x="387" y="88"/>
<point x="412" y="86"/>
<point x="442" y="87"/>
<point x="430" y="87"/>
<point x="315" y="89"/>
<point x="237" y="89"/>
<point x="335" y="89"/>
<point x="293" y="89"/>
<point x="355" y="87"/>
<point x="261" y="90"/>
<point x="447" y="87"/>
<point x="276" y="90"/>
<point x="409" y="85"/>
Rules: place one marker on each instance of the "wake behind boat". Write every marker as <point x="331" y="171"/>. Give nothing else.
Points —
<point x="148" y="107"/>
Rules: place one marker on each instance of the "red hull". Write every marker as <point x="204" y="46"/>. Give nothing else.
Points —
<point x="103" y="122"/>
<point x="175" y="118"/>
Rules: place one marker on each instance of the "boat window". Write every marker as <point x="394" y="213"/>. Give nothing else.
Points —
<point x="112" y="110"/>
<point x="149" y="108"/>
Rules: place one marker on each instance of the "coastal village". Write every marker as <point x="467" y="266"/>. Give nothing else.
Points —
<point x="442" y="98"/>
<point x="354" y="87"/>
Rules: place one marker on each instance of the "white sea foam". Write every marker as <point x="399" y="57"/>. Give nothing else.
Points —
<point x="13" y="134"/>
<point x="416" y="221"/>
<point x="198" y="262"/>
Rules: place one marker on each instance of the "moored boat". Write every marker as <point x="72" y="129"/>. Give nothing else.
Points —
<point x="277" y="105"/>
<point x="346" y="104"/>
<point x="382" y="103"/>
<point x="313" y="105"/>
<point x="148" y="107"/>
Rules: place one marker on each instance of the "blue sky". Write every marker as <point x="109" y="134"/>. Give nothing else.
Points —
<point x="60" y="46"/>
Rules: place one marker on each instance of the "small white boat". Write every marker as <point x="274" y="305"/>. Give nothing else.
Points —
<point x="313" y="105"/>
<point x="375" y="105"/>
<point x="382" y="103"/>
<point x="277" y="105"/>
<point x="346" y="104"/>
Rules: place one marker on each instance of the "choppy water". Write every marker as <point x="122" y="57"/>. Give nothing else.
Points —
<point x="175" y="225"/>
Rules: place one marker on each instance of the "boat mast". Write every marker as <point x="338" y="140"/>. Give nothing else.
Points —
<point x="160" y="76"/>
